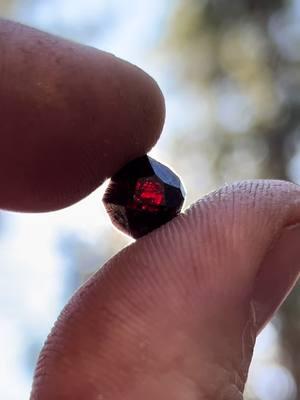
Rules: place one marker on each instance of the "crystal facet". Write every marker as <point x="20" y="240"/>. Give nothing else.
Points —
<point x="142" y="196"/>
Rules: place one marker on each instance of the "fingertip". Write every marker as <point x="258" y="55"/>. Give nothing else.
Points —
<point x="147" y="104"/>
<point x="153" y="105"/>
<point x="177" y="300"/>
<point x="71" y="116"/>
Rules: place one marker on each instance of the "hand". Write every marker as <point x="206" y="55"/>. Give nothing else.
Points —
<point x="175" y="315"/>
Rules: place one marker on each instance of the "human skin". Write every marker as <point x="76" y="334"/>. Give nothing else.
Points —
<point x="174" y="315"/>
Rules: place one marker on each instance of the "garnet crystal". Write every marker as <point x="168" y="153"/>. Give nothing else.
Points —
<point x="142" y="196"/>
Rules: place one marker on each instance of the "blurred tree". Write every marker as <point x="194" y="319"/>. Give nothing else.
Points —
<point x="8" y="7"/>
<point x="239" y="61"/>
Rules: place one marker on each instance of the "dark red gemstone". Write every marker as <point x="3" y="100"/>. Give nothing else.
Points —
<point x="142" y="196"/>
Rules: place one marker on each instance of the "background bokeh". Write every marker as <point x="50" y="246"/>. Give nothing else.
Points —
<point x="230" y="74"/>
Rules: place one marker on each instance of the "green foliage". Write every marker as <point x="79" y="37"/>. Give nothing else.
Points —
<point x="8" y="7"/>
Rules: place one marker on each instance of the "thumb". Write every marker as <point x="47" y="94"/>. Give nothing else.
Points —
<point x="175" y="315"/>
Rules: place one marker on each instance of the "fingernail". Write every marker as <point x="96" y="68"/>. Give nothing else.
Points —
<point x="277" y="276"/>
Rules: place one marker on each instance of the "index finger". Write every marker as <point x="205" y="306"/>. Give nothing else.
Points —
<point x="70" y="116"/>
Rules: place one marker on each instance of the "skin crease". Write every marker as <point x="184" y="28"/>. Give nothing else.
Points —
<point x="175" y="315"/>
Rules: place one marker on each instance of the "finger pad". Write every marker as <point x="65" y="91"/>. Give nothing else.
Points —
<point x="71" y="117"/>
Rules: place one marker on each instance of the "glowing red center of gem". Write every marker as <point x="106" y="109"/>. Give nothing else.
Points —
<point x="149" y="194"/>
